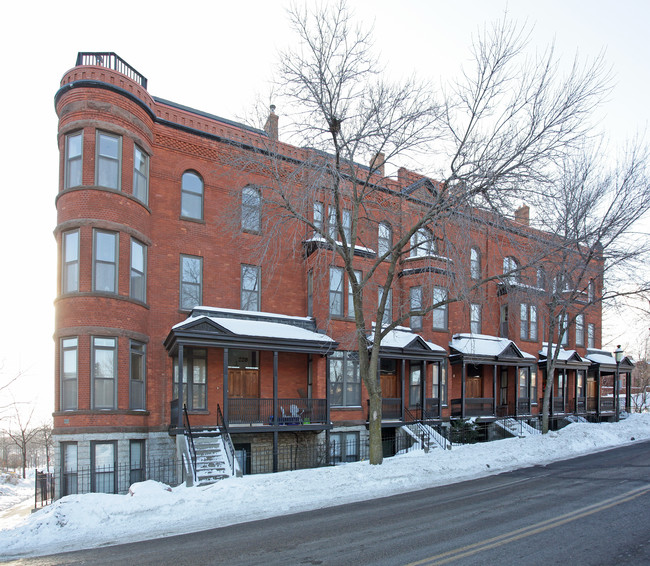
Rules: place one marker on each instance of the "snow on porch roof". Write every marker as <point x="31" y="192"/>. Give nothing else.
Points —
<point x="257" y="324"/>
<point x="563" y="355"/>
<point x="402" y="337"/>
<point x="484" y="345"/>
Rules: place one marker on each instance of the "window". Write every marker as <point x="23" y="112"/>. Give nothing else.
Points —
<point x="591" y="335"/>
<point x="528" y="322"/>
<point x="331" y="223"/>
<point x="533" y="385"/>
<point x="103" y="456"/>
<point x="388" y="308"/>
<point x="191" y="282"/>
<point x="319" y="215"/>
<point x="109" y="151"/>
<point x="591" y="296"/>
<point x="251" y="210"/>
<point x="415" y="382"/>
<point x="194" y="378"/>
<point x="475" y="318"/>
<point x="70" y="268"/>
<point x="104" y="372"/>
<point x="69" y="463"/>
<point x="345" y="381"/>
<point x="435" y="382"/>
<point x="358" y="275"/>
<point x="440" y="312"/>
<point x="310" y="293"/>
<point x="510" y="265"/>
<point x="344" y="447"/>
<point x="580" y="383"/>
<point x="541" y="278"/>
<point x="138" y="289"/>
<point x="384" y="239"/>
<point x="191" y="196"/>
<point x="140" y="175"/>
<point x="346" y="218"/>
<point x="580" y="330"/>
<point x="422" y="243"/>
<point x="524" y="383"/>
<point x="475" y="263"/>
<point x="562" y="330"/>
<point x="73" y="160"/>
<point x="105" y="261"/>
<point x="336" y="291"/>
<point x="69" y="369"/>
<point x="503" y="321"/>
<point x="415" y="300"/>
<point x="250" y="287"/>
<point x="137" y="371"/>
<point x="346" y="224"/>
<point x="136" y="461"/>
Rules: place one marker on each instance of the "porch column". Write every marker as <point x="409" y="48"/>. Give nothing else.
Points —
<point x="275" y="411"/>
<point x="440" y="367"/>
<point x="225" y="385"/>
<point x="180" y="387"/>
<point x="423" y="389"/>
<point x="403" y="376"/>
<point x="517" y="391"/>
<point x="598" y="394"/>
<point x="327" y="408"/>
<point x="462" y="391"/>
<point x="628" y="392"/>
<point x="494" y="389"/>
<point x="575" y="393"/>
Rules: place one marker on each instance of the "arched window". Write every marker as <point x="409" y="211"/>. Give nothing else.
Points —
<point x="541" y="278"/>
<point x="475" y="263"/>
<point x="192" y="196"/>
<point x="251" y="209"/>
<point x="510" y="265"/>
<point x="422" y="243"/>
<point x="384" y="238"/>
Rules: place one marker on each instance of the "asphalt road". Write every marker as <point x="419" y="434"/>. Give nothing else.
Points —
<point x="592" y="510"/>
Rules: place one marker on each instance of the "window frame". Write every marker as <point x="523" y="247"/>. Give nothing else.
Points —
<point x="137" y="468"/>
<point x="415" y="387"/>
<point x="591" y="335"/>
<point x="528" y="322"/>
<point x="336" y="293"/>
<point x="475" y="318"/>
<point x="67" y="263"/>
<point x="580" y="329"/>
<point x="415" y="304"/>
<point x="387" y="317"/>
<point x="192" y="389"/>
<point x="185" y="284"/>
<point x="140" y="177"/>
<point x="97" y="263"/>
<point x="350" y="309"/>
<point x="71" y="404"/>
<point x="69" y="469"/>
<point x="439" y="294"/>
<point x="343" y="456"/>
<point x="137" y="387"/>
<point x="186" y="193"/>
<point x="94" y="348"/>
<point x="101" y="160"/>
<point x="475" y="263"/>
<point x="318" y="212"/>
<point x="107" y="476"/>
<point x="69" y="161"/>
<point x="510" y="265"/>
<point x="422" y="243"/>
<point x="135" y="273"/>
<point x="255" y="293"/>
<point x="563" y="330"/>
<point x="384" y="239"/>
<point x="251" y="210"/>
<point x="350" y="383"/>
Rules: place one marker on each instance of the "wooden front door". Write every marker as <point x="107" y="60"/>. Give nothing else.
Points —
<point x="473" y="387"/>
<point x="390" y="386"/>
<point x="243" y="383"/>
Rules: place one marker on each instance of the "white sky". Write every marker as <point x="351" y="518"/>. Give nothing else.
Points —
<point x="217" y="57"/>
<point x="93" y="520"/>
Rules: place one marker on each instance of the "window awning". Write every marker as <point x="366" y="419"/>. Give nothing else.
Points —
<point x="230" y="328"/>
<point x="484" y="349"/>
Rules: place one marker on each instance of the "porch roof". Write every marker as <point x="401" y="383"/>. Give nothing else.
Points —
<point x="481" y="348"/>
<point x="605" y="360"/>
<point x="565" y="358"/>
<point x="402" y="342"/>
<point x="223" y="328"/>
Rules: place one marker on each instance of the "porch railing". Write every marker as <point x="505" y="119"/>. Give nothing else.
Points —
<point x="299" y="411"/>
<point x="523" y="406"/>
<point x="474" y="407"/>
<point x="190" y="439"/>
<point x="391" y="408"/>
<point x="431" y="408"/>
<point x="606" y="404"/>
<point x="111" y="61"/>
<point x="227" y="441"/>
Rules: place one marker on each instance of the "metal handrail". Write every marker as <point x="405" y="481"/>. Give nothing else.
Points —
<point x="410" y="418"/>
<point x="110" y="60"/>
<point x="188" y="434"/>
<point x="225" y="434"/>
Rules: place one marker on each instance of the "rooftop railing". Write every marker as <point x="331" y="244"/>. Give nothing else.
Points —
<point x="111" y="61"/>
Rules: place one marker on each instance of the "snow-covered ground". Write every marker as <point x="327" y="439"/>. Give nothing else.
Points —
<point x="154" y="510"/>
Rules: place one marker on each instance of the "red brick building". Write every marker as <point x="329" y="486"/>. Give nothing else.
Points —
<point x="159" y="229"/>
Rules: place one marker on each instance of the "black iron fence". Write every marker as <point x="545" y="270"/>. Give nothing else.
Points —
<point x="43" y="489"/>
<point x="111" y="61"/>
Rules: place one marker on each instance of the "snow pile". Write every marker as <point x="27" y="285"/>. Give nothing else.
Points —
<point x="154" y="510"/>
<point x="14" y="489"/>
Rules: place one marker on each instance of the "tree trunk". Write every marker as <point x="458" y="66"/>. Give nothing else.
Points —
<point x="376" y="453"/>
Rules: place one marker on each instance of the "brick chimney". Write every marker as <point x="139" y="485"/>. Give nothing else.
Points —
<point x="522" y="215"/>
<point x="271" y="126"/>
<point x="377" y="164"/>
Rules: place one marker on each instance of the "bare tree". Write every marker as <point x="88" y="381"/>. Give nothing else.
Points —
<point x="495" y="133"/>
<point x="22" y="433"/>
<point x="594" y="254"/>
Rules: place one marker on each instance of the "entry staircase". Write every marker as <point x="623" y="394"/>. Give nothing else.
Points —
<point x="516" y="427"/>
<point x="576" y="419"/>
<point x="208" y="453"/>
<point x="427" y="436"/>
